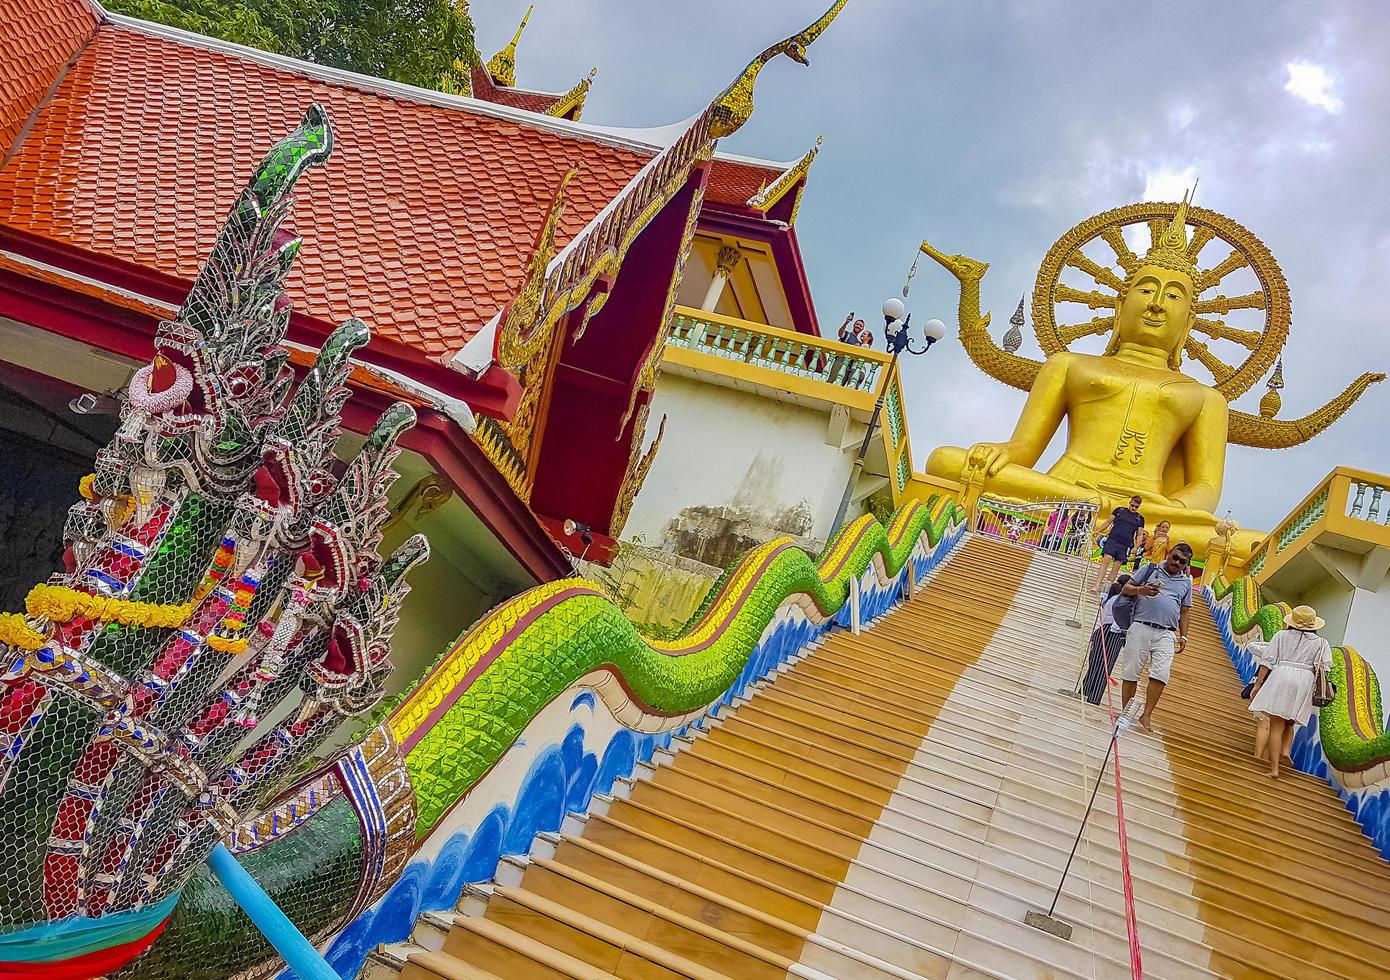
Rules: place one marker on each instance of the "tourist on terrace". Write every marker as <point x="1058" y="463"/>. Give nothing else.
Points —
<point x="1106" y="642"/>
<point x="1118" y="530"/>
<point x="1285" y="694"/>
<point x="1159" y="630"/>
<point x="1157" y="547"/>
<point x="840" y="364"/>
<point x="1136" y="556"/>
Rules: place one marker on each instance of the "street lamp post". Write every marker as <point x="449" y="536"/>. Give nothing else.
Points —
<point x="898" y="341"/>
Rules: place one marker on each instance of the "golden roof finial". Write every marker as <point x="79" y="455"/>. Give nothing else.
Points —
<point x="519" y="337"/>
<point x="502" y="67"/>
<point x="734" y="106"/>
<point x="770" y="194"/>
<point x="573" y="100"/>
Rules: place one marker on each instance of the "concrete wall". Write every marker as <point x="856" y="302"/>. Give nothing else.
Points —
<point x="655" y="589"/>
<point x="1332" y="600"/>
<point x="734" y="459"/>
<point x="1368" y="630"/>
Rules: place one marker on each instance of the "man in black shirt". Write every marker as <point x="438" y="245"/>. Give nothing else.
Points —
<point x="1119" y="530"/>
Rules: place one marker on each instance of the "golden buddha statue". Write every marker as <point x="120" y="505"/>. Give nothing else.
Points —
<point x="1136" y="424"/>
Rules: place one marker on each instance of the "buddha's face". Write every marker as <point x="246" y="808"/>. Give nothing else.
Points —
<point x="1156" y="312"/>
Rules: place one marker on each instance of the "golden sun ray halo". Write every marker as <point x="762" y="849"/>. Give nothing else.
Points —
<point x="1056" y="304"/>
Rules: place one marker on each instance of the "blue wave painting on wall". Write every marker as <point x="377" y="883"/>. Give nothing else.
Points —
<point x="1370" y="807"/>
<point x="563" y="779"/>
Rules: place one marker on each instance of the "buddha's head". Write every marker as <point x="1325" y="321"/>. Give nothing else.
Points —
<point x="1156" y="307"/>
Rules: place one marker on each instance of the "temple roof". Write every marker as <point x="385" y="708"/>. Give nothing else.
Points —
<point x="735" y="181"/>
<point x="130" y="140"/>
<point x="563" y="105"/>
<point x="38" y="37"/>
<point x="421" y="224"/>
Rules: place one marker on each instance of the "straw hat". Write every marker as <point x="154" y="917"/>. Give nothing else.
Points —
<point x="1304" y="618"/>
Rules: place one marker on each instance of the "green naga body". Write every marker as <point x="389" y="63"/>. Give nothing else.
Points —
<point x="474" y="705"/>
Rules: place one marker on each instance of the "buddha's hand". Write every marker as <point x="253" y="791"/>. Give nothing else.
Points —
<point x="987" y="457"/>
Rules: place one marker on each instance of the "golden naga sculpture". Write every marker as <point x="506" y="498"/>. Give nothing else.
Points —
<point x="734" y="106"/>
<point x="1135" y="422"/>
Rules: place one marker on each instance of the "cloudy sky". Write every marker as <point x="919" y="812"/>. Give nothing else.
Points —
<point x="991" y="128"/>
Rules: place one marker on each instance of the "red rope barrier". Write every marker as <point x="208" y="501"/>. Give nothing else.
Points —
<point x="1136" y="964"/>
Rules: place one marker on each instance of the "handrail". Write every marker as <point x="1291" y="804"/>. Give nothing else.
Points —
<point x="1348" y="500"/>
<point x="1061" y="526"/>
<point x="786" y="351"/>
<point x="297" y="952"/>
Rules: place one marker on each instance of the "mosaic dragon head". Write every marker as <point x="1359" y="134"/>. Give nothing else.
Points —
<point x="197" y="417"/>
<point x="224" y="563"/>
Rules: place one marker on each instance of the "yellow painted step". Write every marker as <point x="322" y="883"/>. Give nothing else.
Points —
<point x="429" y="965"/>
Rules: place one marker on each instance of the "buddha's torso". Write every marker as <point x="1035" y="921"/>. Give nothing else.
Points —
<point x="1125" y="420"/>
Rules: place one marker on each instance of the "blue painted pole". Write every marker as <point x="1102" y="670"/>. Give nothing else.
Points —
<point x="260" y="908"/>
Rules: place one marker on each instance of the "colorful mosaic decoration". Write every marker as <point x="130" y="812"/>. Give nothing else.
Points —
<point x="1346" y="742"/>
<point x="325" y="852"/>
<point x="220" y="564"/>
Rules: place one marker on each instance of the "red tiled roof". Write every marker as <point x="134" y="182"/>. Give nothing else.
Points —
<point x="733" y="182"/>
<point x="488" y="90"/>
<point x="421" y="223"/>
<point x="37" y="37"/>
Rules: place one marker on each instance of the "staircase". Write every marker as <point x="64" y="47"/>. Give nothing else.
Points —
<point x="891" y="806"/>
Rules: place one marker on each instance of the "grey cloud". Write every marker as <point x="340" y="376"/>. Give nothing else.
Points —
<point x="991" y="128"/>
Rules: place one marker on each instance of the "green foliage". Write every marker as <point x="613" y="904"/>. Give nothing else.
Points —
<point x="225" y="19"/>
<point x="880" y="504"/>
<point x="412" y="41"/>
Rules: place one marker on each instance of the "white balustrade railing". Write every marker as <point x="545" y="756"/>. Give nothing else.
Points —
<point x="801" y="355"/>
<point x="1367" y="502"/>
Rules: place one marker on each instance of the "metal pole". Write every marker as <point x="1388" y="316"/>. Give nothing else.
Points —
<point x="299" y="955"/>
<point x="1114" y="737"/>
<point x="863" y="449"/>
<point x="1076" y="621"/>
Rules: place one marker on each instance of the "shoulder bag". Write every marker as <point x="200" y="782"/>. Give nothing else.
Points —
<point x="1324" y="691"/>
<point x="1123" y="610"/>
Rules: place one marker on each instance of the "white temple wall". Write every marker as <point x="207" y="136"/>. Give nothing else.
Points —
<point x="1368" y="628"/>
<point x="736" y="458"/>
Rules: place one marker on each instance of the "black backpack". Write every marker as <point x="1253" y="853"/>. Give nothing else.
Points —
<point x="1123" y="610"/>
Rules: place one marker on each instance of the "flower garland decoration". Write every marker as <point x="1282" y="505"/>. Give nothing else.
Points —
<point x="15" y="631"/>
<point x="160" y="386"/>
<point x="228" y="645"/>
<point x="60" y="604"/>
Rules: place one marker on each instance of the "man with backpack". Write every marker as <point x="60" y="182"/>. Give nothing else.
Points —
<point x="1158" y="599"/>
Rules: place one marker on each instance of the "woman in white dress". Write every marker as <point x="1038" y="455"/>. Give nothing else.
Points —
<point x="1285" y="695"/>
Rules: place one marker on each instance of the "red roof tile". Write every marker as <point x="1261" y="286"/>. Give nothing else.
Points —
<point x="421" y="223"/>
<point x="488" y="90"/>
<point x="37" y="37"/>
<point x="733" y="182"/>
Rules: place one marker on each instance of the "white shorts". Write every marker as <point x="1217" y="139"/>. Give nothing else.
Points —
<point x="1143" y="643"/>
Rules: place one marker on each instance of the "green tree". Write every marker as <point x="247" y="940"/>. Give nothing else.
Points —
<point x="229" y="21"/>
<point x="411" y="41"/>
